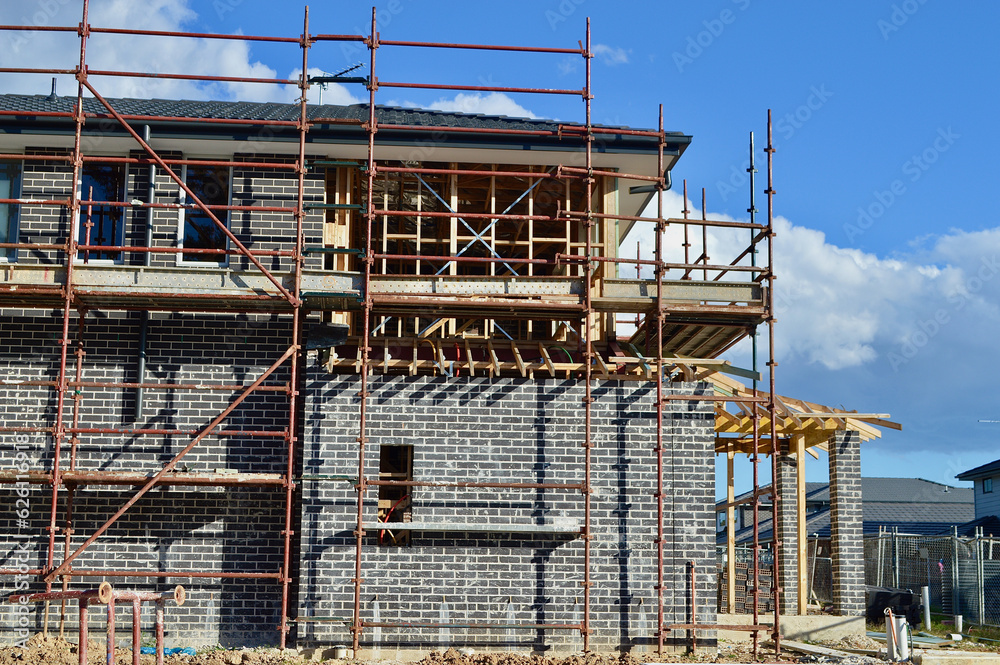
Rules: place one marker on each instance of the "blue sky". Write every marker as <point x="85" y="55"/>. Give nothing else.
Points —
<point x="885" y="115"/>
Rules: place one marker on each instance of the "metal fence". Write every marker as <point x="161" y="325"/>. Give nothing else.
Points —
<point x="820" y="580"/>
<point x="963" y="574"/>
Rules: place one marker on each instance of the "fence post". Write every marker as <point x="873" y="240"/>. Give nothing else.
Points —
<point x="895" y="557"/>
<point x="956" y="608"/>
<point x="981" y="576"/>
<point x="878" y="557"/>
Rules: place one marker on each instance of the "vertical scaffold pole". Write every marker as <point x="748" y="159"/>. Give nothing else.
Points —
<point x="752" y="170"/>
<point x="772" y="364"/>
<point x="293" y="376"/>
<point x="687" y="241"/>
<point x="661" y="228"/>
<point x="588" y="399"/>
<point x="74" y="207"/>
<point x="74" y="441"/>
<point x="366" y="311"/>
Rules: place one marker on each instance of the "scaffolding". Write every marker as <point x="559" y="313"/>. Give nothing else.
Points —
<point x="684" y="324"/>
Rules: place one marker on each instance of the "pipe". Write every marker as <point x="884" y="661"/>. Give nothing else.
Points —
<point x="147" y="258"/>
<point x="74" y="205"/>
<point x="136" y="635"/>
<point x="111" y="633"/>
<point x="141" y="370"/>
<point x="694" y="610"/>
<point x="357" y="626"/>
<point x="159" y="632"/>
<point x="588" y="273"/>
<point x="660" y="403"/>
<point x="84" y="635"/>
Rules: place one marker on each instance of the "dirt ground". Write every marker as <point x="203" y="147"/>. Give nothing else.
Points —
<point x="55" y="651"/>
<point x="52" y="650"/>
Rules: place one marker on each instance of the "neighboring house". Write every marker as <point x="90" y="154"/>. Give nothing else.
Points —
<point x="909" y="505"/>
<point x="986" y="485"/>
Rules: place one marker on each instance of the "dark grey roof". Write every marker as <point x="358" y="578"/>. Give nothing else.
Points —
<point x="911" y="505"/>
<point x="909" y="490"/>
<point x="989" y="524"/>
<point x="277" y="112"/>
<point x="909" y="518"/>
<point x="985" y="470"/>
<point x="892" y="490"/>
<point x="914" y="512"/>
<point x="810" y="488"/>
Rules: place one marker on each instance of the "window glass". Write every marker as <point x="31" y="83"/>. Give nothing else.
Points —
<point x="211" y="185"/>
<point x="10" y="180"/>
<point x="102" y="224"/>
<point x="987" y="485"/>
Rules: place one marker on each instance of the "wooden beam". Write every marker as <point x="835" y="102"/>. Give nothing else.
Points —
<point x="603" y="366"/>
<point x="470" y="362"/>
<point x="517" y="359"/>
<point x="546" y="359"/>
<point x="495" y="362"/>
<point x="799" y="441"/>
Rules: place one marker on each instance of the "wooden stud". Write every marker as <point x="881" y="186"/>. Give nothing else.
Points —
<point x="495" y="366"/>
<point x="546" y="359"/>
<point x="470" y="361"/>
<point x="799" y="441"/>
<point x="517" y="359"/>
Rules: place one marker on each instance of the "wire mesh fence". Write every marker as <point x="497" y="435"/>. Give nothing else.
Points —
<point x="820" y="580"/>
<point x="962" y="573"/>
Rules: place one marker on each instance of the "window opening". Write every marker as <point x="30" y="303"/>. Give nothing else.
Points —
<point x="394" y="501"/>
<point x="212" y="185"/>
<point x="105" y="223"/>
<point x="10" y="188"/>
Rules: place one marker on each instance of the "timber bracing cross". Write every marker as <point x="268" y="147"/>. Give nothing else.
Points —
<point x="477" y="236"/>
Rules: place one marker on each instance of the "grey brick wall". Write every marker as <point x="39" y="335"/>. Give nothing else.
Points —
<point x="250" y="186"/>
<point x="44" y="225"/>
<point x="786" y="531"/>
<point x="176" y="528"/>
<point x="846" y="534"/>
<point x="507" y="430"/>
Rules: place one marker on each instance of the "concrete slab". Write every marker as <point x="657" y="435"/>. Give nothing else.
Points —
<point x="954" y="657"/>
<point x="812" y="628"/>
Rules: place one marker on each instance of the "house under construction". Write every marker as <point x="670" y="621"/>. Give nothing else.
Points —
<point x="361" y="374"/>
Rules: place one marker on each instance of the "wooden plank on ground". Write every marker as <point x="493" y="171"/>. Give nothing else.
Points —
<point x="814" y="649"/>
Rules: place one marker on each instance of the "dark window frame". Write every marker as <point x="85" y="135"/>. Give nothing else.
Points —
<point x="114" y="216"/>
<point x="13" y="211"/>
<point x="185" y="215"/>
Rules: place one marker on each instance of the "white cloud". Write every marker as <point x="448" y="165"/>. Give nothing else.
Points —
<point x="842" y="307"/>
<point x="175" y="55"/>
<point x="495" y="103"/>
<point x="610" y="55"/>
